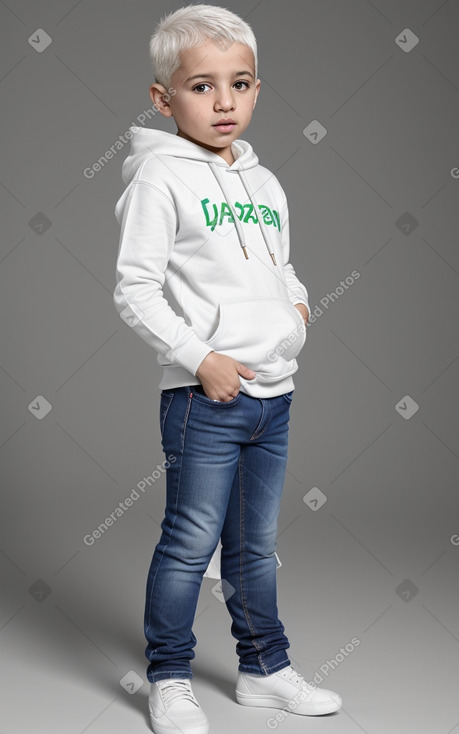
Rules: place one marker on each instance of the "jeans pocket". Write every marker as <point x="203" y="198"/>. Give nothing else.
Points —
<point x="164" y="405"/>
<point x="288" y="396"/>
<point x="200" y="396"/>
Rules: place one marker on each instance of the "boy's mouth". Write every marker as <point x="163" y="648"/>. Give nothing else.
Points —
<point x="225" y="125"/>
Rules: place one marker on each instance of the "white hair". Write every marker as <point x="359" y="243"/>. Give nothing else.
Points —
<point x="192" y="26"/>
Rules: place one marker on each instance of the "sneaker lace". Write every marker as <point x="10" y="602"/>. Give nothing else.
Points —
<point x="173" y="690"/>
<point x="291" y="674"/>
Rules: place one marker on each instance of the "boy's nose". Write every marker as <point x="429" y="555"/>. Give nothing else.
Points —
<point x="224" y="101"/>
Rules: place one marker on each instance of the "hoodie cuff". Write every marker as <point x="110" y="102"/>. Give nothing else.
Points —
<point x="191" y="354"/>
<point x="304" y="302"/>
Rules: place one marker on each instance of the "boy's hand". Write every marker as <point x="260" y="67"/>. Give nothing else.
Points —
<point x="303" y="311"/>
<point x="219" y="375"/>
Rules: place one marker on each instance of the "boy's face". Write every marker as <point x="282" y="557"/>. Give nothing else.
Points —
<point x="223" y="86"/>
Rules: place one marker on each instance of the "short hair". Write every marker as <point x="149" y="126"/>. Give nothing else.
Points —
<point x="192" y="26"/>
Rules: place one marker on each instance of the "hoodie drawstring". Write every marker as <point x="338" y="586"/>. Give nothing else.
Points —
<point x="239" y="229"/>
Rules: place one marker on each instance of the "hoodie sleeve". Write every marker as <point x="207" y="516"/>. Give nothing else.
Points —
<point x="148" y="228"/>
<point x="296" y="290"/>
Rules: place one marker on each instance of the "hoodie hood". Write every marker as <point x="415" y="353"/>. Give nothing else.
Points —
<point x="146" y="143"/>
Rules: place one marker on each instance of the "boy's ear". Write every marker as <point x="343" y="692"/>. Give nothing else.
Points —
<point x="257" y="90"/>
<point x="160" y="98"/>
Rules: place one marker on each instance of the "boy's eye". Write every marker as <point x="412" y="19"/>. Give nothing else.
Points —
<point x="247" y="84"/>
<point x="199" y="87"/>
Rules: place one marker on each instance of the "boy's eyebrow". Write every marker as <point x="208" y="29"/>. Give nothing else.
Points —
<point x="211" y="76"/>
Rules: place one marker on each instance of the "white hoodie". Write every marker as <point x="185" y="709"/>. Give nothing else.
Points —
<point x="185" y="217"/>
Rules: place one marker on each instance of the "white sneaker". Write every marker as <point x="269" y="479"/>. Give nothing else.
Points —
<point x="286" y="689"/>
<point x="173" y="708"/>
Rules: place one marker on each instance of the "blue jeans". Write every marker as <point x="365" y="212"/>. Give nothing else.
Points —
<point x="224" y="478"/>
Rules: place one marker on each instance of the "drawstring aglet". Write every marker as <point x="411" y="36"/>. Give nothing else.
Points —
<point x="273" y="258"/>
<point x="245" y="252"/>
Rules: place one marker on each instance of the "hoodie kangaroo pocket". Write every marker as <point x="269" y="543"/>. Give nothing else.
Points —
<point x="265" y="334"/>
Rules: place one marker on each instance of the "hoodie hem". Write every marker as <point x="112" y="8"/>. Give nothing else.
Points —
<point x="177" y="376"/>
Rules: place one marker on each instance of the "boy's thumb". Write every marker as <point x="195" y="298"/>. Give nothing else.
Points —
<point x="245" y="372"/>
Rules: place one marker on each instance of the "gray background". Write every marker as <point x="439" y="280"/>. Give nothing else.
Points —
<point x="378" y="560"/>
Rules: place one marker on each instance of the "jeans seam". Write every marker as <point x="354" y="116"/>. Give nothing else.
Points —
<point x="173" y="673"/>
<point x="272" y="668"/>
<point x="163" y="422"/>
<point x="184" y="424"/>
<point x="241" y="585"/>
<point x="254" y="434"/>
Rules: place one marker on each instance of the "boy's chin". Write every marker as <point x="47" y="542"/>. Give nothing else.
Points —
<point x="219" y="142"/>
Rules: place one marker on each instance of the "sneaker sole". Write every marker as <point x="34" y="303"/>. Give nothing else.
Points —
<point x="162" y="729"/>
<point x="281" y="703"/>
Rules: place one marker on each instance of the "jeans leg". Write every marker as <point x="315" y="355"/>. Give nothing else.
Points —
<point x="197" y="438"/>
<point x="248" y="561"/>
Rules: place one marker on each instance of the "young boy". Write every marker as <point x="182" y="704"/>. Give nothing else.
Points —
<point x="202" y="217"/>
